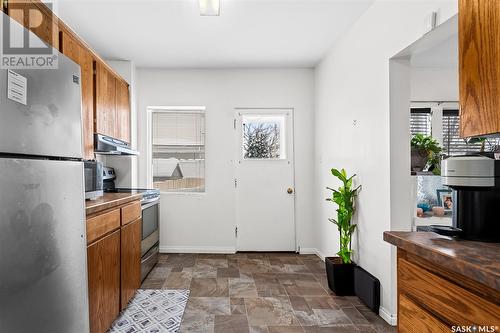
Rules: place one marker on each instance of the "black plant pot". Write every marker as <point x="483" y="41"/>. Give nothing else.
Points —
<point x="340" y="276"/>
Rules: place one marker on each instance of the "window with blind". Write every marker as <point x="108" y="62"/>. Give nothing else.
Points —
<point x="178" y="151"/>
<point x="453" y="144"/>
<point x="420" y="121"/>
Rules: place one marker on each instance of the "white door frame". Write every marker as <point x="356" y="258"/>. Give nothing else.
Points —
<point x="237" y="156"/>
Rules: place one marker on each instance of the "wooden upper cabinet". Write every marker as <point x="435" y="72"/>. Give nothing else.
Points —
<point x="105" y="95"/>
<point x="37" y="17"/>
<point x="479" y="59"/>
<point x="122" y="111"/>
<point x="112" y="104"/>
<point x="78" y="53"/>
<point x="105" y="101"/>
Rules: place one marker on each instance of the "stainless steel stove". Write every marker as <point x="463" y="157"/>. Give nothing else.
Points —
<point x="150" y="219"/>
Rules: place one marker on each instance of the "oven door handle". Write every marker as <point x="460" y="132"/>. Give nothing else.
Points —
<point x="152" y="251"/>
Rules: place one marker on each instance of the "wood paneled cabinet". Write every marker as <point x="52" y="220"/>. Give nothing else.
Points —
<point x="479" y="67"/>
<point x="130" y="260"/>
<point x="103" y="261"/>
<point x="105" y="102"/>
<point x="105" y="95"/>
<point x="74" y="50"/>
<point x="122" y="111"/>
<point x="114" y="262"/>
<point x="432" y="299"/>
<point x="112" y="104"/>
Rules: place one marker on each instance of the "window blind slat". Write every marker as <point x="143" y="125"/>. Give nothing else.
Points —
<point x="420" y="123"/>
<point x="453" y="144"/>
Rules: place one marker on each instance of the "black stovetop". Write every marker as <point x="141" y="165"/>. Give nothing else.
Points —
<point x="148" y="194"/>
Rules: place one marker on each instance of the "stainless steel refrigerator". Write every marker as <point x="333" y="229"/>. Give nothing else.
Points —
<point x="43" y="263"/>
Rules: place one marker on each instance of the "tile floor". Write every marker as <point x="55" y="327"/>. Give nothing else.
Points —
<point x="260" y="293"/>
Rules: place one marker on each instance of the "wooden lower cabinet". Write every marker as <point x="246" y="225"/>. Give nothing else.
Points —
<point x="114" y="262"/>
<point x="103" y="261"/>
<point x="433" y="299"/>
<point x="130" y="260"/>
<point x="415" y="319"/>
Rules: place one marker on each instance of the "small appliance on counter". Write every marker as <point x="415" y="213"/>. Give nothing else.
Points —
<point x="106" y="145"/>
<point x="475" y="181"/>
<point x="150" y="243"/>
<point x="93" y="179"/>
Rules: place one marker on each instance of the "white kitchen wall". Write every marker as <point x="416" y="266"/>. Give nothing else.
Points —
<point x="352" y="128"/>
<point x="434" y="83"/>
<point x="205" y="222"/>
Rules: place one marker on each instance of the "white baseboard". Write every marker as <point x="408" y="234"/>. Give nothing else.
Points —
<point x="197" y="249"/>
<point x="312" y="250"/>
<point x="391" y="319"/>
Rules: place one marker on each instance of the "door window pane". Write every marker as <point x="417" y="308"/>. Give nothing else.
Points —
<point x="263" y="137"/>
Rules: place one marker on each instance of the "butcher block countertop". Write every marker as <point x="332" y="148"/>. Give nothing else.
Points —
<point x="109" y="200"/>
<point x="476" y="260"/>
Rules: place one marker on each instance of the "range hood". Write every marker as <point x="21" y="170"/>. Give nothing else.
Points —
<point x="106" y="145"/>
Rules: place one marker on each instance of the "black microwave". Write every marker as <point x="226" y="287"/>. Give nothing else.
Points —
<point x="93" y="180"/>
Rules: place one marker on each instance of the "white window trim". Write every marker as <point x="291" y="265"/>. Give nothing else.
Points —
<point x="149" y="142"/>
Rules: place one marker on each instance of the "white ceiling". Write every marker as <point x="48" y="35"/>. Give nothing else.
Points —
<point x="249" y="33"/>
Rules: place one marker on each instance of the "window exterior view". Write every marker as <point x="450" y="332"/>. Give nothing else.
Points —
<point x="261" y="140"/>
<point x="263" y="137"/>
<point x="178" y="151"/>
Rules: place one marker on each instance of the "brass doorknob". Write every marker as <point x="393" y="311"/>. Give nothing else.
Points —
<point x="289" y="190"/>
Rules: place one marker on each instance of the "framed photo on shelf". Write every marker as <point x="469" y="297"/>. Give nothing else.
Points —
<point x="445" y="199"/>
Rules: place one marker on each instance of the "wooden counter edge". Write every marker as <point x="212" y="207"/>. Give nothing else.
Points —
<point x="102" y="204"/>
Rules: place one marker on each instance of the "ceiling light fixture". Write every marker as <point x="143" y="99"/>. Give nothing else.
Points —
<point x="209" y="7"/>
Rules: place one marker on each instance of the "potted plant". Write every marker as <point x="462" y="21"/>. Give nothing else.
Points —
<point x="340" y="270"/>
<point x="423" y="148"/>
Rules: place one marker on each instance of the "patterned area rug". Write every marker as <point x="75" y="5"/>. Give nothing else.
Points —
<point x="152" y="311"/>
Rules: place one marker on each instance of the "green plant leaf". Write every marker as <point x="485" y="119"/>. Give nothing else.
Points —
<point x="337" y="174"/>
<point x="344" y="198"/>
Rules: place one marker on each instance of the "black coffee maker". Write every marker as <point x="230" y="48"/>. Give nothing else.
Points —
<point x="475" y="181"/>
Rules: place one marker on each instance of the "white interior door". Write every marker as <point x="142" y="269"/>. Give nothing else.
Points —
<point x="265" y="180"/>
